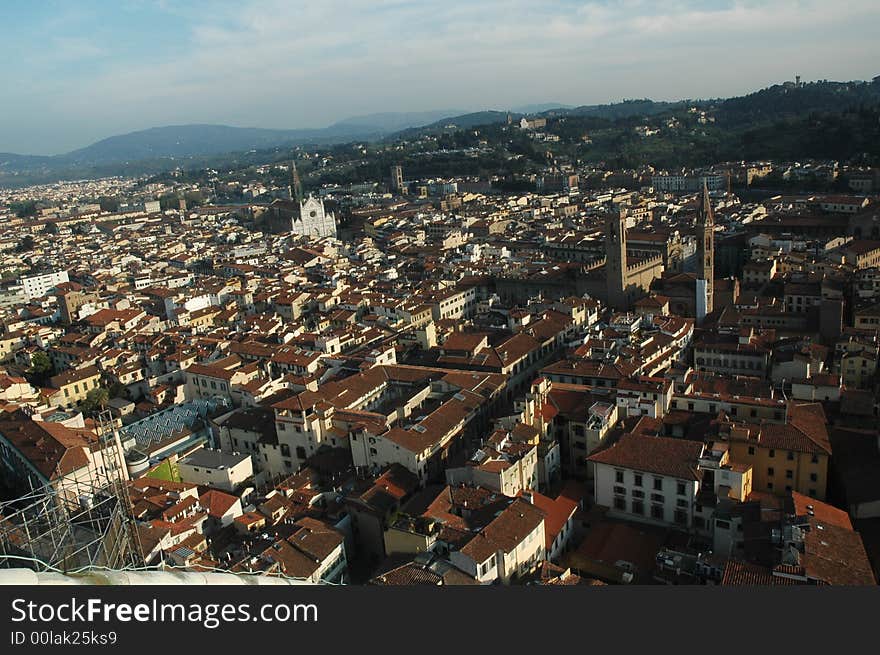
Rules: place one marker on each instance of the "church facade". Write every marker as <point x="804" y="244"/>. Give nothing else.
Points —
<point x="313" y="219"/>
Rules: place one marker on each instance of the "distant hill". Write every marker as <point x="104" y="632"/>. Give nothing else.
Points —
<point x="625" y="109"/>
<point x="396" y="121"/>
<point x="180" y="141"/>
<point x="163" y="148"/>
<point x="790" y="100"/>
<point x="463" y="122"/>
<point x="188" y="141"/>
<point x="540" y="108"/>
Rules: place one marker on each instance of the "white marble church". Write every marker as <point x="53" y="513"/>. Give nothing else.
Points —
<point x="313" y="219"/>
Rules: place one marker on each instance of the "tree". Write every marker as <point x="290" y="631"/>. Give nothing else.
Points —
<point x="109" y="204"/>
<point x="95" y="401"/>
<point x="25" y="209"/>
<point x="117" y="390"/>
<point x="41" y="366"/>
<point x="26" y="244"/>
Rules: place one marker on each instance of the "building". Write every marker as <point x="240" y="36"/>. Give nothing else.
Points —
<point x="506" y="463"/>
<point x="35" y="454"/>
<point x="37" y="286"/>
<point x="649" y="479"/>
<point x="706" y="257"/>
<point x="615" y="260"/>
<point x="786" y="456"/>
<point x="512" y="545"/>
<point x="689" y="183"/>
<point x="397" y="178"/>
<point x="71" y="387"/>
<point x="314" y="219"/>
<point x="216" y="469"/>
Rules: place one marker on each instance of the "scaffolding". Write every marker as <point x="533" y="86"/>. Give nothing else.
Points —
<point x="77" y="522"/>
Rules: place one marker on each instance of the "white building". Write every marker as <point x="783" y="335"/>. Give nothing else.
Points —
<point x="216" y="469"/>
<point x="510" y="546"/>
<point x="35" y="286"/>
<point x="688" y="183"/>
<point x="649" y="479"/>
<point x="314" y="219"/>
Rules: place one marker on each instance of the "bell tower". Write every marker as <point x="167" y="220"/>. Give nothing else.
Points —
<point x="706" y="246"/>
<point x="615" y="259"/>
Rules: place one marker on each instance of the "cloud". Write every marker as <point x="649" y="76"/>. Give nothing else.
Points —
<point x="281" y="64"/>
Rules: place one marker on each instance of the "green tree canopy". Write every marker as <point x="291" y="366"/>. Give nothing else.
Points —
<point x="41" y="367"/>
<point x="95" y="401"/>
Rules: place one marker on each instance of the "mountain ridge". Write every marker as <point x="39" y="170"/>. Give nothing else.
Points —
<point x="173" y="145"/>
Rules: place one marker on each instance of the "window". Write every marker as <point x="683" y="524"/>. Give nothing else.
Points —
<point x="618" y="477"/>
<point x="620" y="490"/>
<point x="681" y="517"/>
<point x="619" y="503"/>
<point x="770" y="485"/>
<point x="658" y="484"/>
<point x="814" y="459"/>
<point x="657" y="498"/>
<point x="722" y="525"/>
<point x="813" y="477"/>
<point x="789" y="456"/>
<point x="751" y="450"/>
<point x="772" y="453"/>
<point x="789" y="474"/>
<point x="657" y="512"/>
<point x="638" y="494"/>
<point x="638" y="507"/>
<point x="770" y="471"/>
<point x="638" y="480"/>
<point x="681" y="502"/>
<point x="680" y="488"/>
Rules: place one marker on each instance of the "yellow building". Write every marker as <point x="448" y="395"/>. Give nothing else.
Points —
<point x="785" y="457"/>
<point x="71" y="387"/>
<point x="857" y="369"/>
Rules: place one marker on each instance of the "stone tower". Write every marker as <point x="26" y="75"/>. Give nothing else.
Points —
<point x="615" y="259"/>
<point x="706" y="247"/>
<point x="397" y="178"/>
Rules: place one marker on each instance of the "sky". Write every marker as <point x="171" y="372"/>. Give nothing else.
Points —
<point x="77" y="72"/>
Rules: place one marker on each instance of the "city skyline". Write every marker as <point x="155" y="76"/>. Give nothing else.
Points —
<point x="276" y="66"/>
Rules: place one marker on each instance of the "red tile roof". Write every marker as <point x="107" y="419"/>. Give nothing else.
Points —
<point x="675" y="458"/>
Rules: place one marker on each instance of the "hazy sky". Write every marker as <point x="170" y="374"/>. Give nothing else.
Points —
<point x="78" y="71"/>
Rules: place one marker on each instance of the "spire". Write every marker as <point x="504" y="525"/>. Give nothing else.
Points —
<point x="706" y="254"/>
<point x="295" y="183"/>
<point x="706" y="215"/>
